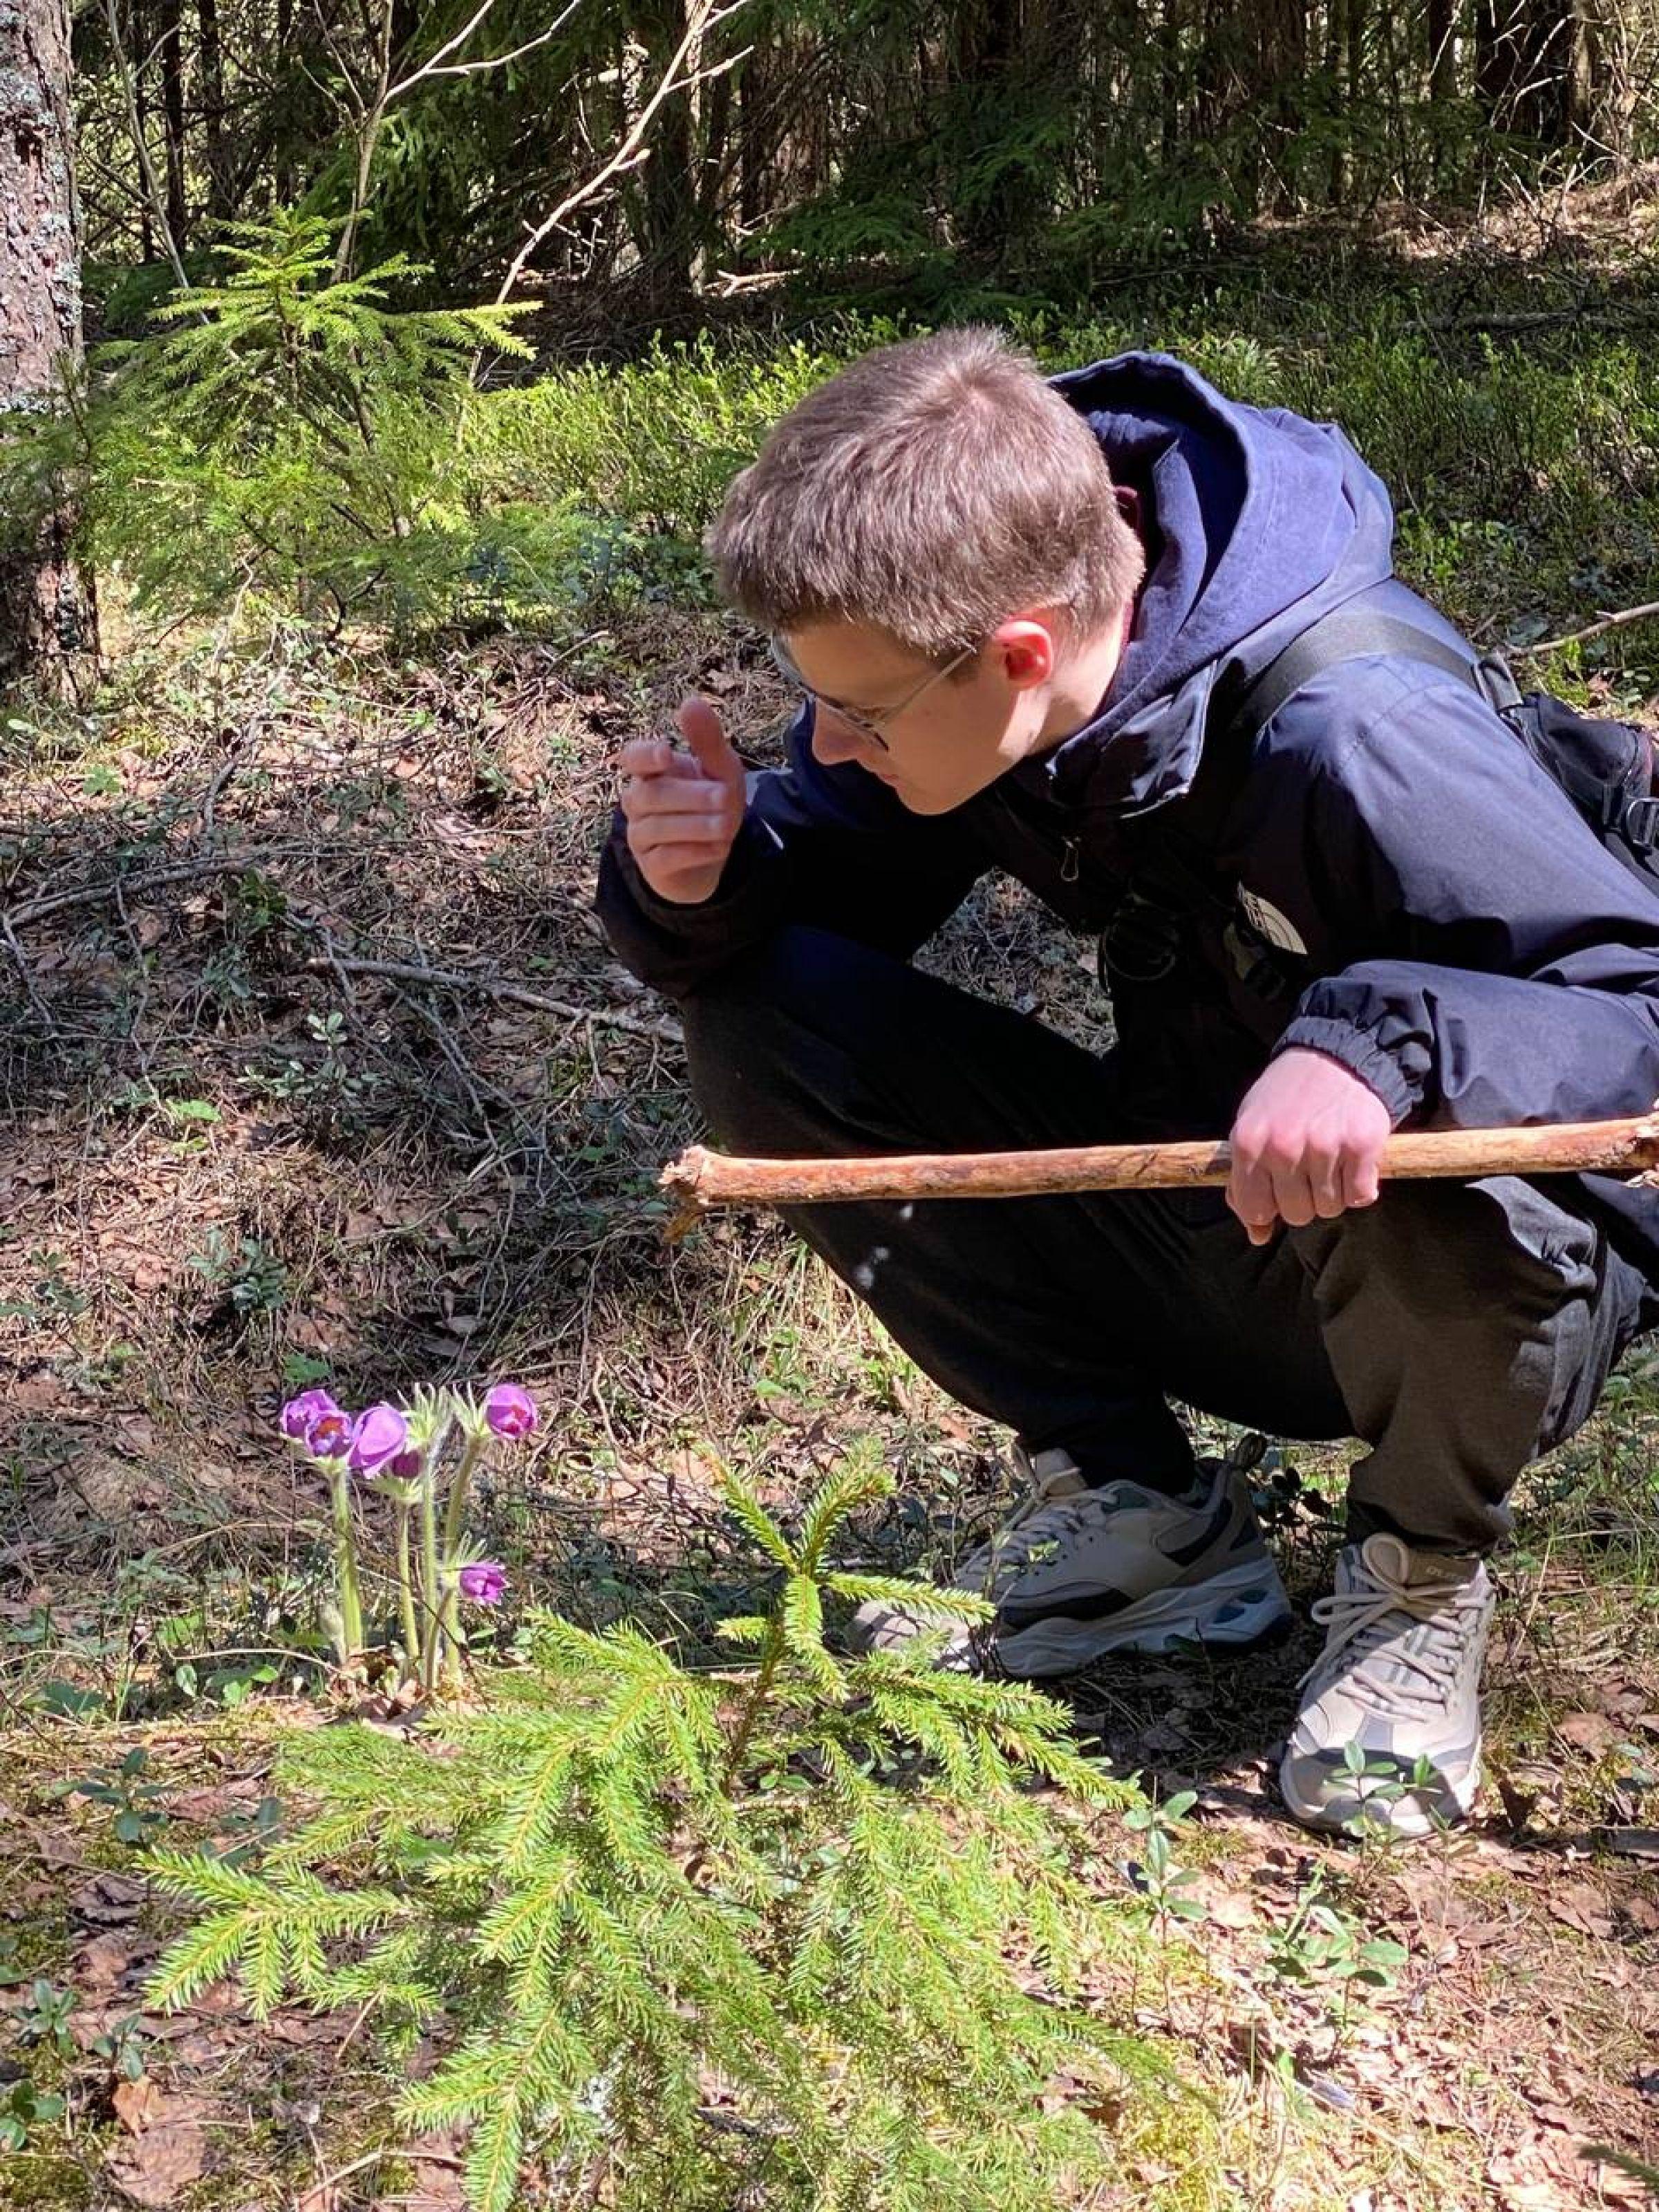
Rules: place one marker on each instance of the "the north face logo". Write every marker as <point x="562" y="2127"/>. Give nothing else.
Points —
<point x="1267" y="922"/>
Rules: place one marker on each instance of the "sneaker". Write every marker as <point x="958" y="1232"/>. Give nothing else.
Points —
<point x="1400" y="1676"/>
<point x="1079" y="1571"/>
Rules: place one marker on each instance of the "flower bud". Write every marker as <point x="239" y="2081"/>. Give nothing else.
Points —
<point x="510" y="1411"/>
<point x="483" y="1582"/>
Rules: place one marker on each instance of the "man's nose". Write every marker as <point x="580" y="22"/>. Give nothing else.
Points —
<point x="833" y="739"/>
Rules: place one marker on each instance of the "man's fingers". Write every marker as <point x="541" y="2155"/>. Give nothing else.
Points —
<point x="674" y="794"/>
<point x="652" y="756"/>
<point x="1293" y="1197"/>
<point x="1361" y="1183"/>
<point x="669" y="860"/>
<point x="701" y="728"/>
<point x="1326" y="1184"/>
<point x="1250" y="1194"/>
<point x="657" y="831"/>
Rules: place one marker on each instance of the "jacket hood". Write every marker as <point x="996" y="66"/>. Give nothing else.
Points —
<point x="1256" y="521"/>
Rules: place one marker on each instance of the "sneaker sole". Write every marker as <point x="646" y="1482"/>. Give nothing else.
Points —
<point x="1406" y="1817"/>
<point x="1237" y="1607"/>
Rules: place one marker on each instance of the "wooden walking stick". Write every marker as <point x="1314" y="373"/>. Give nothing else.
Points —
<point x="701" y="1179"/>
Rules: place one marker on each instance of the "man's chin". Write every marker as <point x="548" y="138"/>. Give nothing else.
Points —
<point x="923" y="802"/>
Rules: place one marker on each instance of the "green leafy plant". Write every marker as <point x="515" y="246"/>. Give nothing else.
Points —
<point x="251" y="1275"/>
<point x="1321" y="1947"/>
<point x="1379" y="1783"/>
<point x="22" y="2109"/>
<point x="1158" y="1878"/>
<point x="121" y="2047"/>
<point x="132" y="1799"/>
<point x="284" y="430"/>
<point x="803" y="1934"/>
<point x="11" y="1969"/>
<point x="45" y="2018"/>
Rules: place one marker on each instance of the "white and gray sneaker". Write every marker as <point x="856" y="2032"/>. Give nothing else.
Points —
<point x="1400" y="1681"/>
<point x="1079" y="1571"/>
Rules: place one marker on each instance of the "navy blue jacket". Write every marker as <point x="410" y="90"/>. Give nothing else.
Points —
<point x="1468" y="947"/>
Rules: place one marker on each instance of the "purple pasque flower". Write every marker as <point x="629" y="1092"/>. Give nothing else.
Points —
<point x="483" y="1582"/>
<point x="510" y="1411"/>
<point x="378" y="1436"/>
<point x="328" y="1435"/>
<point x="405" y="1467"/>
<point x="297" y="1416"/>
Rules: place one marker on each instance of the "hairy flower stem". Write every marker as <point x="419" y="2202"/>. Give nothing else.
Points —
<point x="431" y="1587"/>
<point x="454" y="1528"/>
<point x="406" y="1594"/>
<point x="351" y="1605"/>
<point x="431" y="1591"/>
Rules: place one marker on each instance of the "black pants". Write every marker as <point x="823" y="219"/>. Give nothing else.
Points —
<point x="1459" y="1329"/>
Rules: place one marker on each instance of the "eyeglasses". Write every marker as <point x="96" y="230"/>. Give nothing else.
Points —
<point x="784" y="661"/>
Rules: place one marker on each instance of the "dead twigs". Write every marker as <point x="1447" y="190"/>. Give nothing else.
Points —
<point x="518" y="994"/>
<point x="1603" y="624"/>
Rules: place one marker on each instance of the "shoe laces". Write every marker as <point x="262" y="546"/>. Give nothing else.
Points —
<point x="1422" y="1630"/>
<point x="1054" y="1500"/>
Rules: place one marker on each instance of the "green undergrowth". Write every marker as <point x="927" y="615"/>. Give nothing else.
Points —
<point x="370" y="480"/>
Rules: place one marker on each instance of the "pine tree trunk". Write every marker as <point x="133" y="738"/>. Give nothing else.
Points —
<point x="45" y="614"/>
<point x="136" y="40"/>
<point x="172" y="120"/>
<point x="213" y="107"/>
<point x="666" y="230"/>
<point x="1441" y="25"/>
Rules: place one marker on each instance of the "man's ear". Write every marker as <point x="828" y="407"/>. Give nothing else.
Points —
<point x="1028" y="648"/>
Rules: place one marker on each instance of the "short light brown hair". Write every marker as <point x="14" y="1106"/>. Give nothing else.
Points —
<point x="932" y="489"/>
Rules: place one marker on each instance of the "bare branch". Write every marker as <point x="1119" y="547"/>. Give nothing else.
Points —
<point x="451" y="46"/>
<point x="700" y="1178"/>
<point x="437" y="67"/>
<point x="1597" y="629"/>
<point x="518" y="994"/>
<point x="158" y="208"/>
<point x="702" y="19"/>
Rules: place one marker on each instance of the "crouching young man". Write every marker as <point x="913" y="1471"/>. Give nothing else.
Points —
<point x="1021" y="614"/>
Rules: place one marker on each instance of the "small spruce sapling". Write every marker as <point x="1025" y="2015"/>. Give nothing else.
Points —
<point x="807" y="1935"/>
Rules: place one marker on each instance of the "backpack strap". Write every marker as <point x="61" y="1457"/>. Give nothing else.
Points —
<point x="1175" y="876"/>
<point x="1347" y="633"/>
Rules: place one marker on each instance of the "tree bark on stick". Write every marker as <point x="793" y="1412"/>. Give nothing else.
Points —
<point x="701" y="1179"/>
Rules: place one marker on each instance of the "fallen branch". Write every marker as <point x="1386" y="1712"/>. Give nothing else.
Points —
<point x="700" y="1179"/>
<point x="148" y="879"/>
<point x="518" y="994"/>
<point x="1603" y="624"/>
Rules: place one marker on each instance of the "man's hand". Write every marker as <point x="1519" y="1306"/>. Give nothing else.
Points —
<point x="684" y="808"/>
<point x="1305" y="1145"/>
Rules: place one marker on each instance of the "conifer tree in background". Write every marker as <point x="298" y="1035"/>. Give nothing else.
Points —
<point x="47" y="614"/>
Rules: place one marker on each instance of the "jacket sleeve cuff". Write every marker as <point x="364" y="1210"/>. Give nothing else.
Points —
<point x="1356" y="1051"/>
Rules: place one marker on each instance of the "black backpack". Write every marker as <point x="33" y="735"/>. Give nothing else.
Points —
<point x="1605" y="768"/>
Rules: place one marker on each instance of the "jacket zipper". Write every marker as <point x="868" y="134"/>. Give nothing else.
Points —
<point x="1068" y="861"/>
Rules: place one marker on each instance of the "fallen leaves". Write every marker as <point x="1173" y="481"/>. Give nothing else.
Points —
<point x="168" y="2147"/>
<point x="138" y="2105"/>
<point x="108" y="1900"/>
<point x="1593" y="1732"/>
<point x="1580" y="1904"/>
